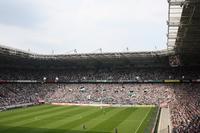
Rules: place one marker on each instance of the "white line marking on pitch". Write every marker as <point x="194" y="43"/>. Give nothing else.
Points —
<point x="142" y="121"/>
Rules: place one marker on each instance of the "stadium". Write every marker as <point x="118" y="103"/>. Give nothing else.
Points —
<point x="108" y="92"/>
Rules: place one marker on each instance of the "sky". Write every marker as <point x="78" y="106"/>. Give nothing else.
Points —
<point x="60" y="26"/>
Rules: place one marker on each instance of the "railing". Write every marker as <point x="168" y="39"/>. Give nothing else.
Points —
<point x="156" y="123"/>
<point x="16" y="106"/>
<point x="16" y="52"/>
<point x="100" y="81"/>
<point x="152" y="121"/>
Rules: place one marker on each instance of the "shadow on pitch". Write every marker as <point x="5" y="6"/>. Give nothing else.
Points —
<point x="6" y="129"/>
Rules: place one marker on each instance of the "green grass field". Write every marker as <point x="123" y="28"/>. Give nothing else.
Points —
<point x="70" y="119"/>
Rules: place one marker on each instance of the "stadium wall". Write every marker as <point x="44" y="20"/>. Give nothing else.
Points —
<point x="101" y="105"/>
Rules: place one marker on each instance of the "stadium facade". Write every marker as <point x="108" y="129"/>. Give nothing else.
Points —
<point x="177" y="65"/>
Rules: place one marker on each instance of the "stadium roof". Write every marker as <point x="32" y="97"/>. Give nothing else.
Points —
<point x="9" y="56"/>
<point x="184" y="30"/>
<point x="183" y="40"/>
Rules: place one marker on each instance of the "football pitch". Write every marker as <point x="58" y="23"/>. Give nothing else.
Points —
<point x="76" y="119"/>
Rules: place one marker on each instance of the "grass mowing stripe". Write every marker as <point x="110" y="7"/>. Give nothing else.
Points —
<point x="52" y="130"/>
<point x="59" y="116"/>
<point x="19" y="114"/>
<point x="14" y="112"/>
<point x="86" y="118"/>
<point x="145" y="127"/>
<point x="131" y="123"/>
<point x="20" y="117"/>
<point x="59" y="124"/>
<point x="11" y="125"/>
<point x="31" y="119"/>
<point x="35" y="116"/>
<point x="49" y="118"/>
<point x="22" y="110"/>
<point x="71" y="122"/>
<point x="143" y="120"/>
<point x="98" y="119"/>
<point x="41" y="120"/>
<point x="120" y="116"/>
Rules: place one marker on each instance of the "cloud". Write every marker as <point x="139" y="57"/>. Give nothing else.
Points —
<point x="85" y="25"/>
<point x="22" y="13"/>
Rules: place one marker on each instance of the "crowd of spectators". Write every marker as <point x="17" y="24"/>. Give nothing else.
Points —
<point x="14" y="94"/>
<point x="101" y="74"/>
<point x="185" y="108"/>
<point x="109" y="93"/>
<point x="182" y="99"/>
